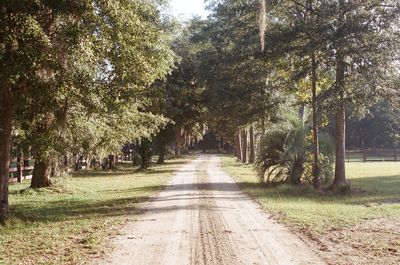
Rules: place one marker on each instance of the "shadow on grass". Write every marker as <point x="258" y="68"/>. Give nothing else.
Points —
<point x="67" y="205"/>
<point x="124" y="169"/>
<point x="72" y="210"/>
<point x="155" y="172"/>
<point x="389" y="184"/>
<point x="112" y="174"/>
<point x="99" y="173"/>
<point x="69" y="210"/>
<point x="86" y="209"/>
<point x="372" y="189"/>
<point x="172" y="162"/>
<point x="378" y="190"/>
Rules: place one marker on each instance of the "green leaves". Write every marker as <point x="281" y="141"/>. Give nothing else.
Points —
<point x="180" y="97"/>
<point x="81" y="71"/>
<point x="232" y="71"/>
<point x="285" y="153"/>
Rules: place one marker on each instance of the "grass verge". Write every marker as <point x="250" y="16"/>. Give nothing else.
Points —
<point x="70" y="222"/>
<point x="360" y="228"/>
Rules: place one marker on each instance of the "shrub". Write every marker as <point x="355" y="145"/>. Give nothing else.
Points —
<point x="284" y="154"/>
<point x="281" y="155"/>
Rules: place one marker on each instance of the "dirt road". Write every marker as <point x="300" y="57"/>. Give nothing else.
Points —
<point x="203" y="218"/>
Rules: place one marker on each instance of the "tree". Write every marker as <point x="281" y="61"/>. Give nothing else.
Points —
<point x="22" y="41"/>
<point x="162" y="139"/>
<point x="361" y="69"/>
<point x="145" y="153"/>
<point x="73" y="65"/>
<point x="252" y="153"/>
<point x="5" y="143"/>
<point x="116" y="90"/>
<point x="296" y="35"/>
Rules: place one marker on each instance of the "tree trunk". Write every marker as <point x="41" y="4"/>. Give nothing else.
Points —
<point x="178" y="139"/>
<point x="65" y="162"/>
<point x="298" y="170"/>
<point x="301" y="112"/>
<point x="111" y="161"/>
<point x="41" y="174"/>
<point x="238" y="146"/>
<point x="55" y="169"/>
<point x="244" y="146"/>
<point x="340" y="182"/>
<point x="88" y="162"/>
<point x="161" y="156"/>
<point x="315" y="166"/>
<point x="252" y="155"/>
<point x="76" y="162"/>
<point x="189" y="142"/>
<point x="6" y="109"/>
<point x="263" y="127"/>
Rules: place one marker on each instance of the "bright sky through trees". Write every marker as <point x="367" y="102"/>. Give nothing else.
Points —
<point x="187" y="8"/>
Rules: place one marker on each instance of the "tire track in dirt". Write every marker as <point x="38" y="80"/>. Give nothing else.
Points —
<point x="214" y="245"/>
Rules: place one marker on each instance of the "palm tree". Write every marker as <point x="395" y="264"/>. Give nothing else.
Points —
<point x="282" y="153"/>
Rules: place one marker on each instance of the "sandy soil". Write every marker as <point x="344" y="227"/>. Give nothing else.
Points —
<point x="203" y="218"/>
<point x="375" y="241"/>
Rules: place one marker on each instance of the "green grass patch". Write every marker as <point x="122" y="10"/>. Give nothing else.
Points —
<point x="70" y="222"/>
<point x="377" y="196"/>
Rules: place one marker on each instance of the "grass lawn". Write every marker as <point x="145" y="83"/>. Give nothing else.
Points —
<point x="379" y="196"/>
<point x="69" y="223"/>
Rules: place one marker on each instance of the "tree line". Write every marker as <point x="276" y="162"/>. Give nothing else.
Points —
<point x="274" y="79"/>
<point x="282" y="77"/>
<point x="75" y="79"/>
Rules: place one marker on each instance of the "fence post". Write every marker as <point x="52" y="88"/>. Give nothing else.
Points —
<point x="26" y="164"/>
<point x="364" y="154"/>
<point x="19" y="169"/>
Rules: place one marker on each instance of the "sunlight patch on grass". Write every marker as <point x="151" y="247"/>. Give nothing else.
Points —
<point x="70" y="222"/>
<point x="305" y="208"/>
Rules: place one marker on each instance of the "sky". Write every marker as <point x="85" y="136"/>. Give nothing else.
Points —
<point x="185" y="9"/>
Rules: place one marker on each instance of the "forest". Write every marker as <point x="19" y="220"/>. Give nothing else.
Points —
<point x="287" y="87"/>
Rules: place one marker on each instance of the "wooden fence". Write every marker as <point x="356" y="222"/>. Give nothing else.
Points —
<point x="21" y="169"/>
<point x="371" y="155"/>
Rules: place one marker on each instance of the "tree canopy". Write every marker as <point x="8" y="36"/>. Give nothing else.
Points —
<point x="90" y="77"/>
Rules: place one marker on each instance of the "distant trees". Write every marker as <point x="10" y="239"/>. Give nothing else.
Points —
<point x="180" y="97"/>
<point x="235" y="78"/>
<point x="379" y="128"/>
